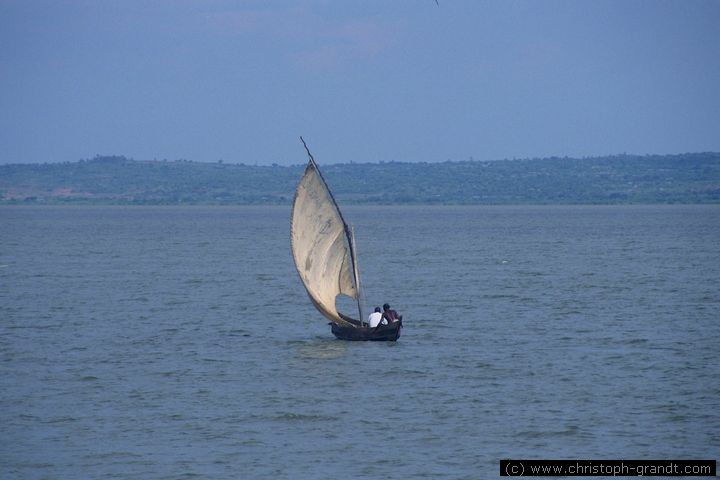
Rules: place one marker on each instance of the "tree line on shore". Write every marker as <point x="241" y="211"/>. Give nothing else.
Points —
<point x="618" y="179"/>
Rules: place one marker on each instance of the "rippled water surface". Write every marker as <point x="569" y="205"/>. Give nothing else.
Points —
<point x="172" y="342"/>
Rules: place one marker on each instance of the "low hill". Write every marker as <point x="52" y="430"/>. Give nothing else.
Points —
<point x="686" y="178"/>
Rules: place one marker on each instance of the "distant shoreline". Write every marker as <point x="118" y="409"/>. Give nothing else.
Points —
<point x="692" y="178"/>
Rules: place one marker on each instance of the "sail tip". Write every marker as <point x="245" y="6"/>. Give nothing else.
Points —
<point x="312" y="159"/>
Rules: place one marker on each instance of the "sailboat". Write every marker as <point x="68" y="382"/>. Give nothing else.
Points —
<point x="323" y="247"/>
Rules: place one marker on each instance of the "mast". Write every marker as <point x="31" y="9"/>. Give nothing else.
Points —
<point x="357" y="275"/>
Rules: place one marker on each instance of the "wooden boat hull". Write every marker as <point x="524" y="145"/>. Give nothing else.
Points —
<point x="381" y="333"/>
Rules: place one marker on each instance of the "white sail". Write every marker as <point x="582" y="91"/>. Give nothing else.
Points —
<point x="321" y="245"/>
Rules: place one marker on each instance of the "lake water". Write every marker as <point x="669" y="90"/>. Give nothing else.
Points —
<point x="178" y="342"/>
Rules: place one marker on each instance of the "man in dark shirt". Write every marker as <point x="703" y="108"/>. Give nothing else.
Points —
<point x="389" y="314"/>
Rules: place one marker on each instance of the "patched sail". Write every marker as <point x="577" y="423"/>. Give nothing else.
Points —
<point x="321" y="245"/>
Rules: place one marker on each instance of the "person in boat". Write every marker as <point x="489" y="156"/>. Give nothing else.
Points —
<point x="375" y="318"/>
<point x="389" y="314"/>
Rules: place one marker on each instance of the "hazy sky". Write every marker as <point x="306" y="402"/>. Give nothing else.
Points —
<point x="361" y="80"/>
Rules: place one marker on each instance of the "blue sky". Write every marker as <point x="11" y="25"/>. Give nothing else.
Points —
<point x="361" y="80"/>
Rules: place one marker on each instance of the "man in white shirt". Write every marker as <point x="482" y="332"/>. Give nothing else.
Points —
<point x="375" y="318"/>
